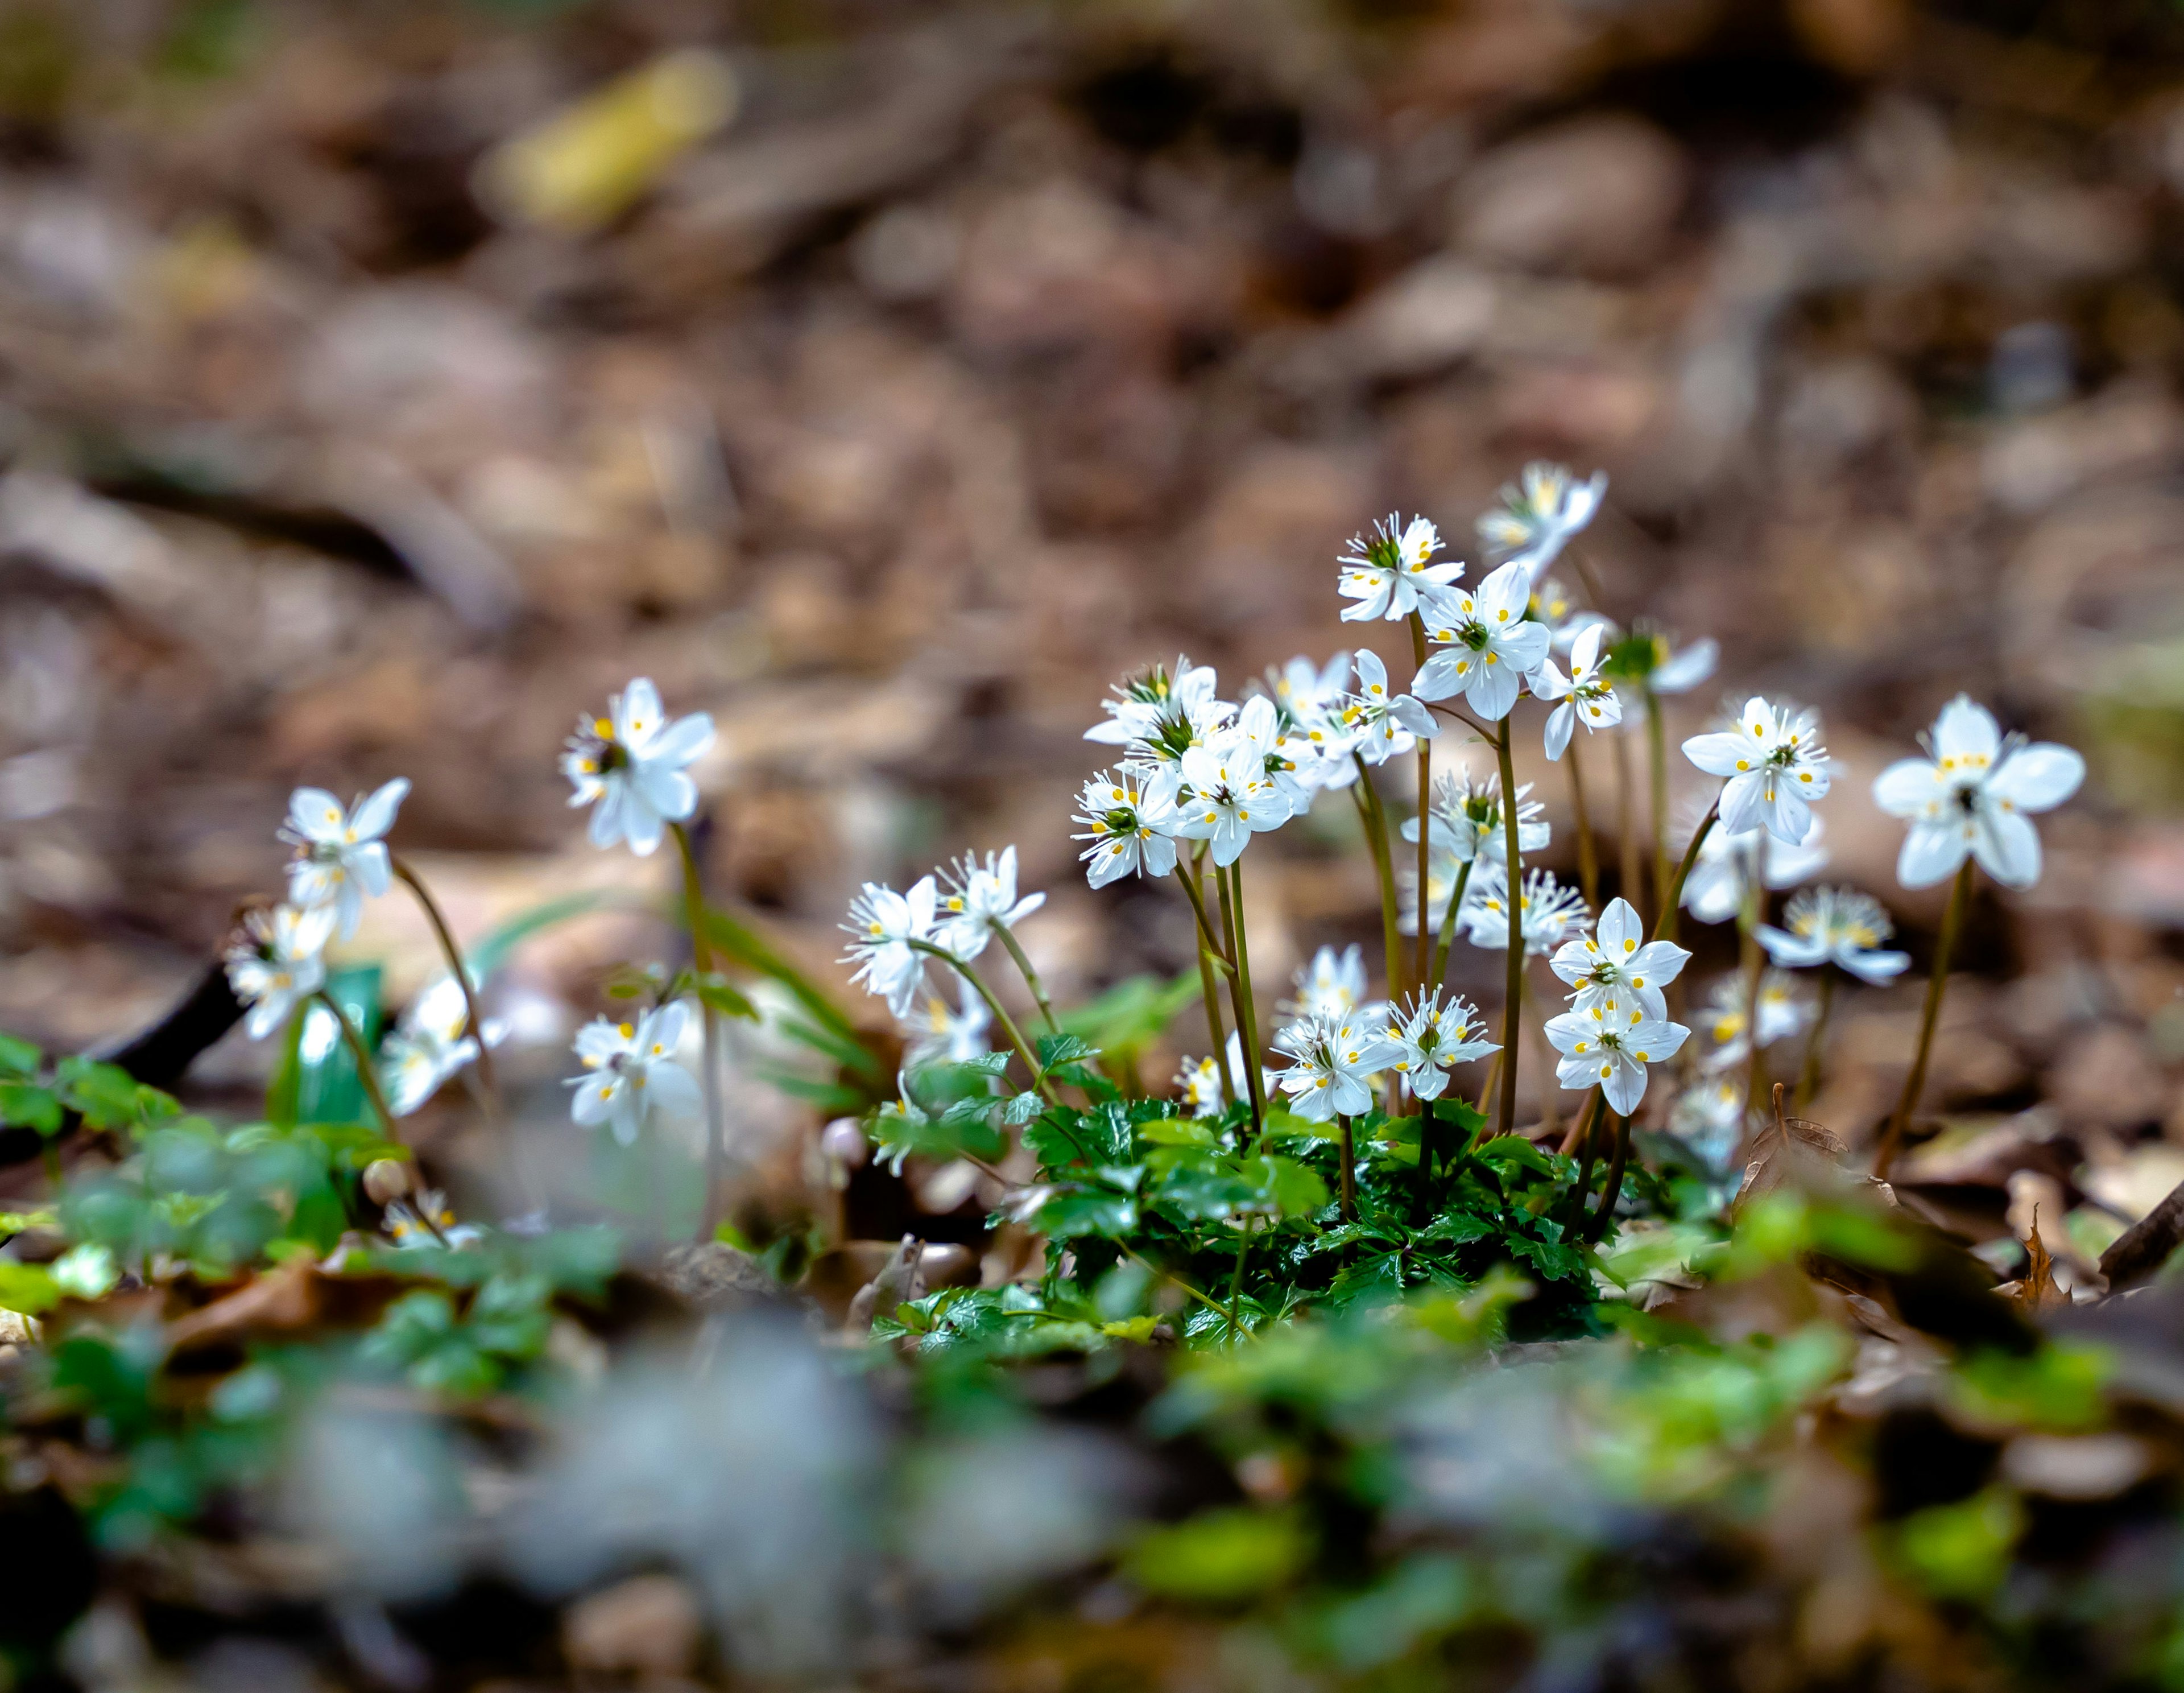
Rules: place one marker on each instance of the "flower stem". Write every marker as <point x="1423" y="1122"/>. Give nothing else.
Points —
<point x="454" y="955"/>
<point x="1808" y="1074"/>
<point x="1030" y="975"/>
<point x="1349" y="1154"/>
<point x="1914" y="1083"/>
<point x="1236" y="1281"/>
<point x="1657" y="757"/>
<point x="1588" y="858"/>
<point x="1626" y="827"/>
<point x="1205" y="983"/>
<point x="1665" y="921"/>
<point x="1208" y="940"/>
<point x="366" y="1072"/>
<point x="999" y="1013"/>
<point x="1448" y="925"/>
<point x="1513" y="1010"/>
<point x="1376" y="837"/>
<point x="1588" y="1145"/>
<point x="701" y="956"/>
<point x="1754" y="959"/>
<point x="1550" y="1118"/>
<point x="1613" y="1189"/>
<point x="1425" y="814"/>
<point x="1239" y="990"/>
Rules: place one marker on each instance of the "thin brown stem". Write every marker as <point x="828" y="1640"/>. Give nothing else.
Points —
<point x="701" y="958"/>
<point x="1584" y="1121"/>
<point x="1425" y="812"/>
<point x="1513" y="1017"/>
<point x="367" y="1073"/>
<point x="1753" y="960"/>
<point x="1891" y="1141"/>
<point x="1665" y="921"/>
<point x="1349" y="1154"/>
<point x="1588" y="857"/>
<point x="454" y="955"/>
<point x="1612" y="1191"/>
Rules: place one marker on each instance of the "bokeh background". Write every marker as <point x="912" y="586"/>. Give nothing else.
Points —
<point x="381" y="386"/>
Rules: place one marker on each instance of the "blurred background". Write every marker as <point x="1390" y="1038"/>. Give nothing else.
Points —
<point x="382" y="386"/>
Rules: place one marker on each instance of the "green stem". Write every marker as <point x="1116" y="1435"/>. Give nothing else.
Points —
<point x="1208" y="940"/>
<point x="1205" y="982"/>
<point x="1656" y="752"/>
<point x="1236" y="1281"/>
<point x="1344" y="1134"/>
<point x="999" y="1013"/>
<point x="1613" y="1189"/>
<point x="1914" y="1083"/>
<point x="1030" y="975"/>
<point x="1587" y="1141"/>
<point x="1664" y="922"/>
<point x="366" y="1072"/>
<point x="1425" y="814"/>
<point x="1448" y="925"/>
<point x="1239" y="990"/>
<point x="454" y="955"/>
<point x="1376" y="837"/>
<point x="1513" y="1010"/>
<point x="1754" y="962"/>
<point x="1203" y="1298"/>
<point x="1808" y="1074"/>
<point x="701" y="957"/>
<point x="1588" y="859"/>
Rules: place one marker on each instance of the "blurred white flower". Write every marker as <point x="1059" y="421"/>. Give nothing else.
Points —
<point x="1586" y="697"/>
<point x="1679" y="672"/>
<point x="1614" y="1054"/>
<point x="1489" y="646"/>
<point x="86" y="1271"/>
<point x="1204" y="1089"/>
<point x="1839" y="926"/>
<point x="1129" y="818"/>
<point x="1424" y="1037"/>
<point x="1782" y="1014"/>
<point x="1709" y="1117"/>
<point x="882" y="924"/>
<point x="980" y="896"/>
<point x="1391" y="575"/>
<point x="1617" y="960"/>
<point x="340" y="857"/>
<point x="1548" y="914"/>
<point x="1973" y="796"/>
<point x="1333" y="984"/>
<point x="429" y="1046"/>
<point x="1330" y="1060"/>
<point x="1775" y="768"/>
<point x="1466" y="820"/>
<point x="279" y="966"/>
<point x="1538" y="515"/>
<point x="1382" y="725"/>
<point x="1721" y="875"/>
<point x="629" y="767"/>
<point x="949" y="1034"/>
<point x="632" y="1070"/>
<point x="428" y="1219"/>
<point x="1310" y="732"/>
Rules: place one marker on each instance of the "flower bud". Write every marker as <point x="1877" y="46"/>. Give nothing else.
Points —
<point x="386" y="1180"/>
<point x="843" y="1141"/>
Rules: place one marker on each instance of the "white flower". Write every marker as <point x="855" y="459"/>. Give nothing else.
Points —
<point x="1466" y="820"/>
<point x="87" y="1271"/>
<point x="1585" y="696"/>
<point x="1391" y="576"/>
<point x="1721" y="875"/>
<point x="1840" y="926"/>
<point x="1424" y="1038"/>
<point x="1548" y="914"/>
<point x="340" y="857"/>
<point x="429" y="1045"/>
<point x="1159" y="718"/>
<point x="1491" y="646"/>
<point x="1310" y="733"/>
<point x="1330" y="1058"/>
<point x="1382" y="725"/>
<point x="882" y="923"/>
<point x="1679" y="672"/>
<point x="278" y="967"/>
<point x="1613" y="1055"/>
<point x="1782" y="1014"/>
<point x="1538" y="515"/>
<point x="979" y="896"/>
<point x="428" y="1220"/>
<point x="633" y="1070"/>
<point x="629" y="766"/>
<point x="1333" y="984"/>
<point x="1204" y="1088"/>
<point x="1709" y="1117"/>
<point x="1775" y="765"/>
<point x="1973" y="796"/>
<point x="1229" y="796"/>
<point x="1618" y="963"/>
<point x="1129" y="818"/>
<point x="949" y="1034"/>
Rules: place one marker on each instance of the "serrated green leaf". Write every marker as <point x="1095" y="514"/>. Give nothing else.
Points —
<point x="1064" y="1048"/>
<point x="1081" y="1211"/>
<point x="1022" y="1110"/>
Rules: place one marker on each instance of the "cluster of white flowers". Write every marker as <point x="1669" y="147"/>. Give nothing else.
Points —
<point x="1618" y="1025"/>
<point x="948" y="916"/>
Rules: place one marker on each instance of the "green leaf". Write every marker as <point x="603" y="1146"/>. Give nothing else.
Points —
<point x="743" y="944"/>
<point x="107" y="1097"/>
<point x="27" y="1288"/>
<point x="327" y="1088"/>
<point x="1220" y="1557"/>
<point x="1133" y="1013"/>
<point x="1552" y="1258"/>
<point x="18" y="1057"/>
<point x="1514" y="1152"/>
<point x="1057" y="1139"/>
<point x="1081" y="1211"/>
<point x="1065" y="1048"/>
<point x="1022" y="1110"/>
<point x="1177" y="1131"/>
<point x="26" y="1105"/>
<point x="715" y="993"/>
